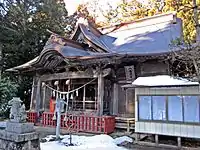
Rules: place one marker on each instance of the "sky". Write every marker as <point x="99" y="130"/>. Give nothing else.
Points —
<point x="71" y="5"/>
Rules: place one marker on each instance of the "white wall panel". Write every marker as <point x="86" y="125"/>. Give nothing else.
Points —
<point x="192" y="131"/>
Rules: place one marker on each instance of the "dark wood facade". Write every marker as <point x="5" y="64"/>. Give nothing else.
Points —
<point x="105" y="95"/>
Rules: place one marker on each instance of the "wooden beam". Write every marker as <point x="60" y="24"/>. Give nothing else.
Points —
<point x="100" y="92"/>
<point x="74" y="75"/>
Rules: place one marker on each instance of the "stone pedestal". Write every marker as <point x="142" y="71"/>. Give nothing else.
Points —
<point x="19" y="136"/>
<point x="19" y="128"/>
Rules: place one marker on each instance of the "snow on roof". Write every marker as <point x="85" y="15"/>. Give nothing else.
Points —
<point x="162" y="80"/>
<point x="169" y="16"/>
<point x="155" y="38"/>
<point x="149" y="35"/>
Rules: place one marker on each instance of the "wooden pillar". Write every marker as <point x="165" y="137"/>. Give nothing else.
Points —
<point x="179" y="142"/>
<point x="38" y="96"/>
<point x="100" y="92"/>
<point x="47" y="98"/>
<point x="84" y="98"/>
<point x="156" y="139"/>
<point x="115" y="98"/>
<point x="137" y="138"/>
<point x="43" y="97"/>
<point x="127" y="102"/>
<point x="33" y="95"/>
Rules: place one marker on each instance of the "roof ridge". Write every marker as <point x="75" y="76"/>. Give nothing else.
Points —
<point x="138" y="20"/>
<point x="54" y="38"/>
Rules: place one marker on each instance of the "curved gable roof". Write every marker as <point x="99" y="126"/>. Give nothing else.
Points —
<point x="150" y="35"/>
<point x="145" y="37"/>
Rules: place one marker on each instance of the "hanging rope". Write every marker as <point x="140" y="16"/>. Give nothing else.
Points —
<point x="72" y="91"/>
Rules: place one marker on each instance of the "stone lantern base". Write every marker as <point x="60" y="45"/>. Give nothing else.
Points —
<point x="19" y="136"/>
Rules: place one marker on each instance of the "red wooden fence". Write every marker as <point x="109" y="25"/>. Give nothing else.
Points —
<point x="32" y="117"/>
<point x="84" y="123"/>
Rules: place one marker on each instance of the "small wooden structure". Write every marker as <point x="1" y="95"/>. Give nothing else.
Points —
<point x="168" y="106"/>
<point x="128" y="123"/>
<point x="107" y="59"/>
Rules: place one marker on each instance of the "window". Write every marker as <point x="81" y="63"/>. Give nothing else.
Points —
<point x="191" y="109"/>
<point x="159" y="107"/>
<point x="175" y="111"/>
<point x="145" y="107"/>
<point x="90" y="100"/>
<point x="178" y="108"/>
<point x="84" y="98"/>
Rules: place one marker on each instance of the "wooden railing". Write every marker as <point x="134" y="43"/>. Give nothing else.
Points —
<point x="79" y="123"/>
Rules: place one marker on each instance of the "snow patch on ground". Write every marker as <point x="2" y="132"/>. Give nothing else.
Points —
<point x="103" y="142"/>
<point x="122" y="139"/>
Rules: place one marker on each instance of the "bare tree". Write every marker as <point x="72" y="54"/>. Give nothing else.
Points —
<point x="196" y="20"/>
<point x="186" y="57"/>
<point x="185" y="60"/>
<point x="1" y="58"/>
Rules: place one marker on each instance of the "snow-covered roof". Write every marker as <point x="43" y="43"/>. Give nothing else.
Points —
<point x="147" y="39"/>
<point x="149" y="35"/>
<point x="162" y="80"/>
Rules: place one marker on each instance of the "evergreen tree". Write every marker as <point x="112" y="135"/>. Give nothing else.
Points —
<point x="23" y="33"/>
<point x="23" y="28"/>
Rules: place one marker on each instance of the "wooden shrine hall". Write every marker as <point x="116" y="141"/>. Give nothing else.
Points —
<point x="89" y="69"/>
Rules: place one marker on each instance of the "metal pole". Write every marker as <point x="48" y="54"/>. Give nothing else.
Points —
<point x="70" y="139"/>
